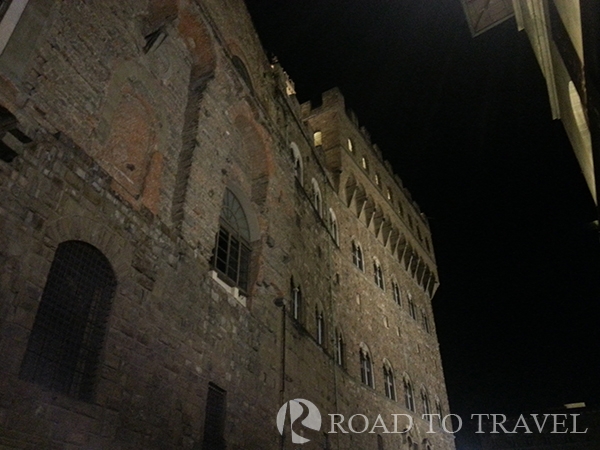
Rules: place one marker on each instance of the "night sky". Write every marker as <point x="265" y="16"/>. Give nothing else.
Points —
<point x="466" y="123"/>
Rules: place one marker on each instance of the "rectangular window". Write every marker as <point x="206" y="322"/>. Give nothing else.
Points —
<point x="214" y="420"/>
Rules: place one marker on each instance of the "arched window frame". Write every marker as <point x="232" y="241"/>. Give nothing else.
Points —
<point x="358" y="256"/>
<point x="409" y="397"/>
<point x="388" y="380"/>
<point x="364" y="163"/>
<point x="320" y="326"/>
<point x="366" y="367"/>
<point x="396" y="293"/>
<point x="232" y="253"/>
<point x="333" y="226"/>
<point x="425" y="401"/>
<point x="317" y="197"/>
<point x="296" y="300"/>
<point x="297" y="161"/>
<point x="64" y="347"/>
<point x="350" y="145"/>
<point x="340" y="349"/>
<point x="378" y="274"/>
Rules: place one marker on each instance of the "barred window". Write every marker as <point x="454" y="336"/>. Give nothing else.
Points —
<point x="231" y="257"/>
<point x="63" y="351"/>
<point x="214" y="419"/>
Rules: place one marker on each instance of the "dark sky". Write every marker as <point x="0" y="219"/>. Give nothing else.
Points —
<point x="466" y="123"/>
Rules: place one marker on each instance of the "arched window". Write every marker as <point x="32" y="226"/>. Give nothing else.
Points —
<point x="231" y="257"/>
<point x="297" y="161"/>
<point x="388" y="194"/>
<point x="350" y="146"/>
<point x="425" y="402"/>
<point x="296" y="296"/>
<point x="339" y="349"/>
<point x="409" y="399"/>
<point x="242" y="71"/>
<point x="378" y="274"/>
<point x="388" y="380"/>
<point x="357" y="256"/>
<point x="377" y="180"/>
<point x="320" y="326"/>
<point x="396" y="293"/>
<point x="333" y="226"/>
<point x="317" y="197"/>
<point x="439" y="412"/>
<point x="425" y="322"/>
<point x="63" y="351"/>
<point x="366" y="368"/>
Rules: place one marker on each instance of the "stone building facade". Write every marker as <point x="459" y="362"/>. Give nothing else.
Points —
<point x="184" y="247"/>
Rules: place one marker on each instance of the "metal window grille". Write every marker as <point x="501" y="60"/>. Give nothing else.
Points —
<point x="231" y="257"/>
<point x="214" y="419"/>
<point x="63" y="352"/>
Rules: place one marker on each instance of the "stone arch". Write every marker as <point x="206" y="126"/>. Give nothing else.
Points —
<point x="257" y="151"/>
<point x="78" y="228"/>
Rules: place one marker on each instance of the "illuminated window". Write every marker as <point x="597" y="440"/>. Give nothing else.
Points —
<point x="231" y="256"/>
<point x="388" y="194"/>
<point x="364" y="164"/>
<point x="377" y="180"/>
<point x="409" y="399"/>
<point x="357" y="256"/>
<point x="350" y="146"/>
<point x="318" y="138"/>
<point x="63" y="351"/>
<point x="388" y="381"/>
<point x="366" y="368"/>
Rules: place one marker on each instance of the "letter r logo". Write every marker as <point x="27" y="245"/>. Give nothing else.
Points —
<point x="296" y="407"/>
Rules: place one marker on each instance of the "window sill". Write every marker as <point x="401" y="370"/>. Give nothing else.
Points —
<point x="231" y="290"/>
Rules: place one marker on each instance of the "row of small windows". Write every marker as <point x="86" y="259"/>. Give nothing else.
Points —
<point x="358" y="261"/>
<point x="318" y="141"/>
<point x="389" y="384"/>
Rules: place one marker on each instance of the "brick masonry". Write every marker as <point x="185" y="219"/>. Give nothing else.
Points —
<point x="131" y="144"/>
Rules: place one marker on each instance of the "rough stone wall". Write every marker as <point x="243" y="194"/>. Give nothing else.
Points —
<point x="129" y="122"/>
